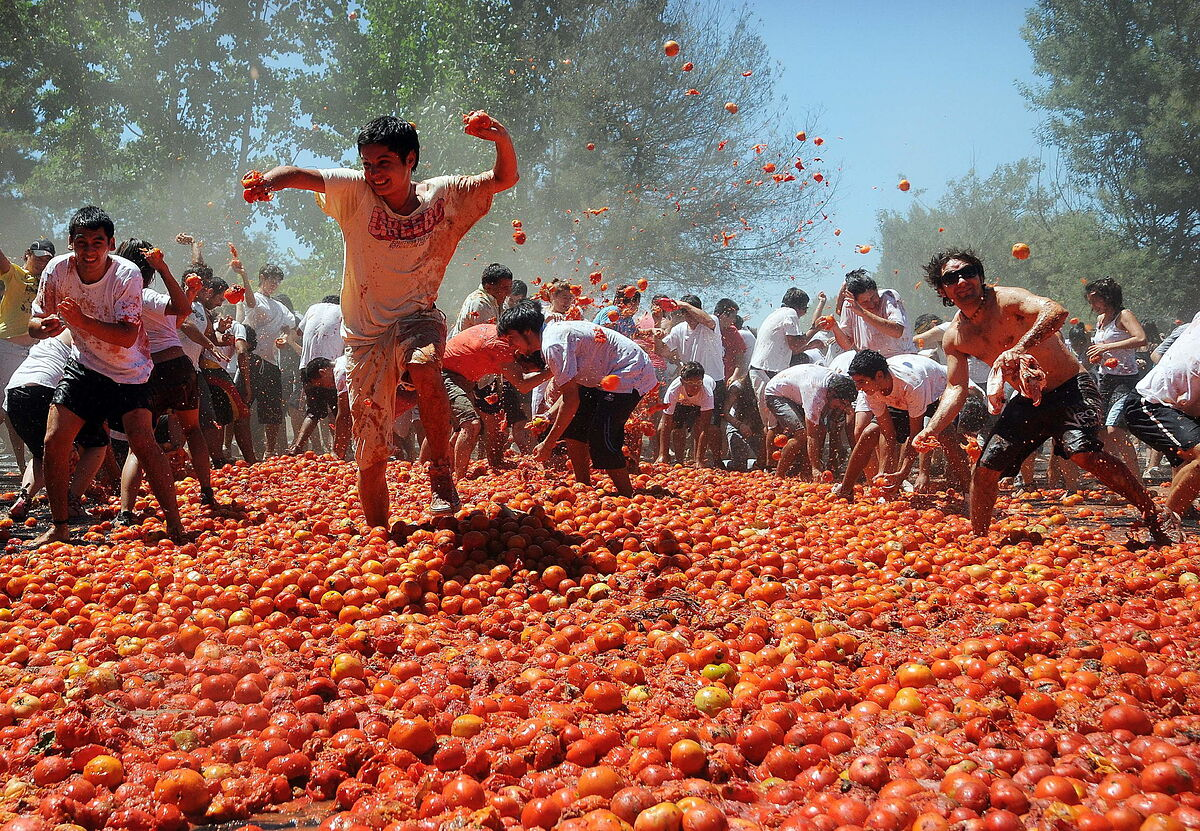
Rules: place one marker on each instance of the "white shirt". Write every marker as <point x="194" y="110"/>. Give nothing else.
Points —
<point x="160" y="328"/>
<point x="805" y="384"/>
<point x="1175" y="380"/>
<point x="749" y="339"/>
<point x="44" y="365"/>
<point x="772" y="352"/>
<point x="321" y="333"/>
<point x="190" y="348"/>
<point x="700" y="344"/>
<point x="394" y="264"/>
<point x="238" y="330"/>
<point x="339" y="376"/>
<point x="917" y="382"/>
<point x="269" y="318"/>
<point x="865" y="336"/>
<point x="114" y="298"/>
<point x="574" y="352"/>
<point x="703" y="399"/>
<point x="478" y="307"/>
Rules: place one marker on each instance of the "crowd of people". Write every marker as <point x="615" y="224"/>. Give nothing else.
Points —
<point x="112" y="363"/>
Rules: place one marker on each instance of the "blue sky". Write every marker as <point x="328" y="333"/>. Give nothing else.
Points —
<point x="920" y="89"/>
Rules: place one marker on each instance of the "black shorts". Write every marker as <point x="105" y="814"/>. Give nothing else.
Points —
<point x="600" y="424"/>
<point x="1114" y="391"/>
<point x="173" y="386"/>
<point x="789" y="416"/>
<point x="320" y="402"/>
<point x="97" y="398"/>
<point x="267" y="382"/>
<point x="28" y="412"/>
<point x="718" y="401"/>
<point x="208" y="418"/>
<point x="511" y="402"/>
<point x="1160" y="426"/>
<point x="1069" y="413"/>
<point x="228" y="405"/>
<point x="462" y="398"/>
<point x="685" y="416"/>
<point x="902" y="423"/>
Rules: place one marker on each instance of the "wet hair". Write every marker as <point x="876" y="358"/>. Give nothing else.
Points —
<point x="494" y="273"/>
<point x="691" y="369"/>
<point x="841" y="387"/>
<point x="867" y="362"/>
<point x="795" y="298"/>
<point x="525" y="316"/>
<point x="724" y="305"/>
<point x="691" y="300"/>
<point x="519" y="289"/>
<point x="1108" y="290"/>
<point x="313" y="368"/>
<point x="933" y="268"/>
<point x="332" y="298"/>
<point x="286" y="301"/>
<point x="625" y="297"/>
<point x="91" y="218"/>
<point x="859" y="281"/>
<point x="926" y="322"/>
<point x="973" y="416"/>
<point x="395" y="134"/>
<point x="131" y="249"/>
<point x="270" y="271"/>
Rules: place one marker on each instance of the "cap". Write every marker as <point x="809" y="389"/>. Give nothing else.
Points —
<point x="42" y="248"/>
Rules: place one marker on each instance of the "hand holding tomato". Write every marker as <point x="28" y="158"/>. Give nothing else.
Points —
<point x="255" y="188"/>
<point x="193" y="283"/>
<point x="154" y="258"/>
<point x="825" y="323"/>
<point x="1095" y="352"/>
<point x="924" y="442"/>
<point x="235" y="294"/>
<point x="479" y="124"/>
<point x="70" y="312"/>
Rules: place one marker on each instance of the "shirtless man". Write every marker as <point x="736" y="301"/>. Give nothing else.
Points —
<point x="999" y="324"/>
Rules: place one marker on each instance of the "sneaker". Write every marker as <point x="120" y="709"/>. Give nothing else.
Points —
<point x="1166" y="527"/>
<point x="445" y="495"/>
<point x="20" y="508"/>
<point x="126" y="519"/>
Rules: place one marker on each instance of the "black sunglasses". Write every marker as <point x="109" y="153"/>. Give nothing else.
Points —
<point x="964" y="273"/>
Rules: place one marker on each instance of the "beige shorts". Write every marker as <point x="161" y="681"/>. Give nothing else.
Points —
<point x="376" y="368"/>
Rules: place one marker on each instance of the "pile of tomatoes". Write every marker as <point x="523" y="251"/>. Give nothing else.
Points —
<point x="721" y="651"/>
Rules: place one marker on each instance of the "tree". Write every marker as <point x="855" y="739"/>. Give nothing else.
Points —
<point x="1119" y="91"/>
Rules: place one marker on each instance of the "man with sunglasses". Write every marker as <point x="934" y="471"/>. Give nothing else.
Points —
<point x="999" y="324"/>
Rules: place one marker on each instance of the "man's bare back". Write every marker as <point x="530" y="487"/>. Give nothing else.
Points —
<point x="1005" y="317"/>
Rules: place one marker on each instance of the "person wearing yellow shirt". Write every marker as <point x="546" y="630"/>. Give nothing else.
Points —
<point x="18" y="287"/>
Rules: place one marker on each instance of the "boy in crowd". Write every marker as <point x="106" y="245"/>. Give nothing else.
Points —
<point x="782" y="335"/>
<point x="471" y="356"/>
<point x="601" y="375"/>
<point x="900" y="392"/>
<point x="321" y="331"/>
<point x="483" y="305"/>
<point x="270" y="319"/>
<point x="18" y="287"/>
<point x="325" y="396"/>
<point x="98" y="296"/>
<point x="867" y="318"/>
<point x="1005" y="327"/>
<point x="690" y="402"/>
<point x="519" y="293"/>
<point x="798" y="398"/>
<point x="399" y="236"/>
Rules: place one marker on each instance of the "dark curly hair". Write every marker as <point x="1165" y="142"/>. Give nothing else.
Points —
<point x="933" y="268"/>
<point x="1108" y="290"/>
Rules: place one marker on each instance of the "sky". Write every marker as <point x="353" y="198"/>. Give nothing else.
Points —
<point x="919" y="89"/>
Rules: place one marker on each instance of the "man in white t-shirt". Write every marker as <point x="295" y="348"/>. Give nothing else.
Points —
<point x="399" y="237"/>
<point x="98" y="296"/>
<point x="321" y="331"/>
<point x="270" y="320"/>
<point x="900" y="392"/>
<point x="867" y="318"/>
<point x="798" y="398"/>
<point x="690" y="400"/>
<point x="781" y="336"/>
<point x="1164" y="412"/>
<point x="483" y="305"/>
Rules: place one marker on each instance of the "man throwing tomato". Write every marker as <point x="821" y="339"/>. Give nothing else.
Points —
<point x="399" y="236"/>
<point x="1005" y="327"/>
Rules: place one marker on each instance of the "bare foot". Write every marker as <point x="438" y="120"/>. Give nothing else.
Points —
<point x="57" y="532"/>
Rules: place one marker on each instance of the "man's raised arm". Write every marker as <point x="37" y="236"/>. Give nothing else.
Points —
<point x="289" y="176"/>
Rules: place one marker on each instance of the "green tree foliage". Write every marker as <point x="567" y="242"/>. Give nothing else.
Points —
<point x="1119" y="91"/>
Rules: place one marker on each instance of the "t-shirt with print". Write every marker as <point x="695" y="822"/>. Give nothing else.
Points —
<point x="806" y="385"/>
<point x="586" y="354"/>
<point x="269" y="319"/>
<point x="114" y="298"/>
<point x="478" y="307"/>
<point x="1175" y="379"/>
<point x="701" y="344"/>
<point x="771" y="350"/>
<point x="917" y="382"/>
<point x="19" y="289"/>
<point x="477" y="352"/>
<point x="321" y="333"/>
<point x="865" y="336"/>
<point x="393" y="264"/>
<point x="158" y="326"/>
<point x="704" y="398"/>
